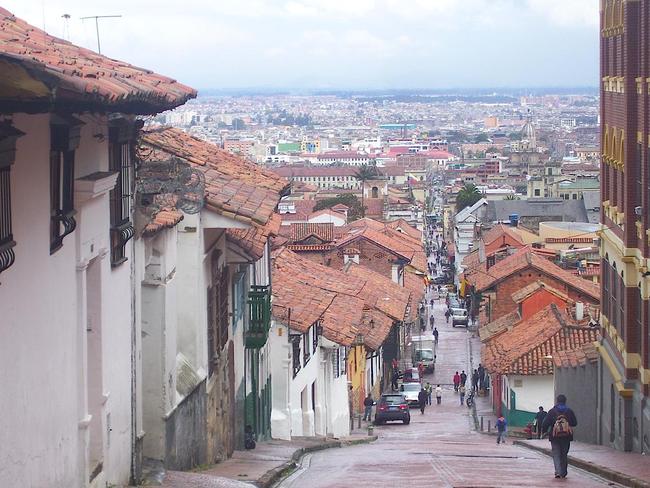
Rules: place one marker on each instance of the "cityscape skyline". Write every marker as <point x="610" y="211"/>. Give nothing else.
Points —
<point x="335" y="45"/>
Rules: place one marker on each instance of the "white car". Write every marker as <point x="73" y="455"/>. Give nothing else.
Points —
<point x="411" y="392"/>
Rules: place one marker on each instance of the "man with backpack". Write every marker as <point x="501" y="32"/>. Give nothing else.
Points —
<point x="559" y="423"/>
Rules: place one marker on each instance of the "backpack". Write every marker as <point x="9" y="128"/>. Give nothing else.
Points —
<point x="561" y="427"/>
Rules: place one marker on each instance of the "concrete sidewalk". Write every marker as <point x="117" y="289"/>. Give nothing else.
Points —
<point x="261" y="467"/>
<point x="625" y="468"/>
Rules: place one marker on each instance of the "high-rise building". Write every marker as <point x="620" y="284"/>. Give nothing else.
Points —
<point x="624" y="372"/>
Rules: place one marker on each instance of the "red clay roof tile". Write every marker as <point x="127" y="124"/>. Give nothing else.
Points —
<point x="234" y="186"/>
<point x="79" y="79"/>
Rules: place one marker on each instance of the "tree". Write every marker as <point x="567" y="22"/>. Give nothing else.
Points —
<point x="364" y="173"/>
<point x="467" y="196"/>
<point x="355" y="211"/>
<point x="481" y="138"/>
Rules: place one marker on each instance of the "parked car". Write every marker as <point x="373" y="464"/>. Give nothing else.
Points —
<point x="440" y="280"/>
<point x="392" y="406"/>
<point x="411" y="375"/>
<point x="460" y="317"/>
<point x="411" y="392"/>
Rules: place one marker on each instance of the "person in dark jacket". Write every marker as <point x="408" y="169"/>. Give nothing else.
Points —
<point x="539" y="421"/>
<point x="559" y="423"/>
<point x="422" y="399"/>
<point x="463" y="378"/>
<point x="475" y="381"/>
<point x="367" y="406"/>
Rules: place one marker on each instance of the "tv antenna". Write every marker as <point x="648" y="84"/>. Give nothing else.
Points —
<point x="66" y="26"/>
<point x="97" y="17"/>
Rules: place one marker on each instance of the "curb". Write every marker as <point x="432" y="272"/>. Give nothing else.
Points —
<point x="608" y="474"/>
<point x="274" y="475"/>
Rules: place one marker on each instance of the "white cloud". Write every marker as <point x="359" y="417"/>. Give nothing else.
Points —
<point x="229" y="42"/>
<point x="567" y="13"/>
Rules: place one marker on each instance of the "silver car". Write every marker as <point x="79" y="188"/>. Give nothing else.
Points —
<point x="410" y="392"/>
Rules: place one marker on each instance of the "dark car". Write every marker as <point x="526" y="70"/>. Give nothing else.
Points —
<point x="440" y="280"/>
<point x="392" y="406"/>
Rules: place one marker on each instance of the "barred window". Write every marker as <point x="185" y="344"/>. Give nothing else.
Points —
<point x="120" y="153"/>
<point x="8" y="136"/>
<point x="64" y="140"/>
<point x="218" y="318"/>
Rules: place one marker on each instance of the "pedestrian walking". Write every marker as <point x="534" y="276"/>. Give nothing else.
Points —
<point x="539" y="421"/>
<point x="462" y="390"/>
<point x="435" y="332"/>
<point x="367" y="407"/>
<point x="422" y="399"/>
<point x="394" y="378"/>
<point x="502" y="428"/>
<point x="456" y="381"/>
<point x="559" y="423"/>
<point x="421" y="370"/>
<point x="429" y="390"/>
<point x="447" y="314"/>
<point x="481" y="374"/>
<point x="438" y="395"/>
<point x="475" y="381"/>
<point x="463" y="378"/>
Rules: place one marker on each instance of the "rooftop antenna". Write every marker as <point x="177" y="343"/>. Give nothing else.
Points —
<point x="97" y="17"/>
<point x="66" y="26"/>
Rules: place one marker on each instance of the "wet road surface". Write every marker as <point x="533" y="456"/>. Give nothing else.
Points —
<point x="439" y="448"/>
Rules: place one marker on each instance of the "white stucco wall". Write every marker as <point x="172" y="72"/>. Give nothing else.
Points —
<point x="280" y="363"/>
<point x="535" y="391"/>
<point x="46" y="322"/>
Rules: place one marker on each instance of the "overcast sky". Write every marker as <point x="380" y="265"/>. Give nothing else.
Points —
<point x="344" y="44"/>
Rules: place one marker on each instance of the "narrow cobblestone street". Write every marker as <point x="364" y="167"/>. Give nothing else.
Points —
<point x="438" y="449"/>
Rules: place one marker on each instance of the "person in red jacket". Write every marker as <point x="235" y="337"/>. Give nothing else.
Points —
<point x="456" y="381"/>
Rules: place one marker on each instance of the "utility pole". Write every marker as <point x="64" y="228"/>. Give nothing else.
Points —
<point x="97" y="17"/>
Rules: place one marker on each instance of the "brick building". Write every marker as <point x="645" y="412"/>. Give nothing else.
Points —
<point x="624" y="381"/>
<point x="498" y="283"/>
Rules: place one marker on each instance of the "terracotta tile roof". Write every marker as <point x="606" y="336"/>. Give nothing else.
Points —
<point x="382" y="240"/>
<point x="404" y="243"/>
<point x="415" y="284"/>
<point x="381" y="292"/>
<point x="534" y="287"/>
<point x="253" y="240"/>
<point x="165" y="218"/>
<point x="572" y="358"/>
<point x="496" y="327"/>
<point x="322" y="231"/>
<point x="472" y="259"/>
<point x="403" y="226"/>
<point x="327" y="211"/>
<point x="234" y="187"/>
<point x="79" y="79"/>
<point x="500" y="231"/>
<point x="524" y="258"/>
<point x="343" y="302"/>
<point x="527" y="348"/>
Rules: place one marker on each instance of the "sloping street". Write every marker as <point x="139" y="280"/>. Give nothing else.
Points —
<point x="437" y="449"/>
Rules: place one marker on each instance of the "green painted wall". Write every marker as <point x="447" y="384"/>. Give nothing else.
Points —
<point x="289" y="147"/>
<point x="514" y="417"/>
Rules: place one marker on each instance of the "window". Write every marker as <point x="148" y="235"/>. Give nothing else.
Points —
<point x="638" y="173"/>
<point x="64" y="139"/>
<point x="606" y="286"/>
<point x="120" y="153"/>
<point x="8" y="136"/>
<point x="306" y="349"/>
<point x="218" y="319"/>
<point x="239" y="297"/>
<point x="614" y="290"/>
<point x="336" y="362"/>
<point x="622" y="320"/>
<point x="537" y="192"/>
<point x="295" y="352"/>
<point x="314" y="336"/>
